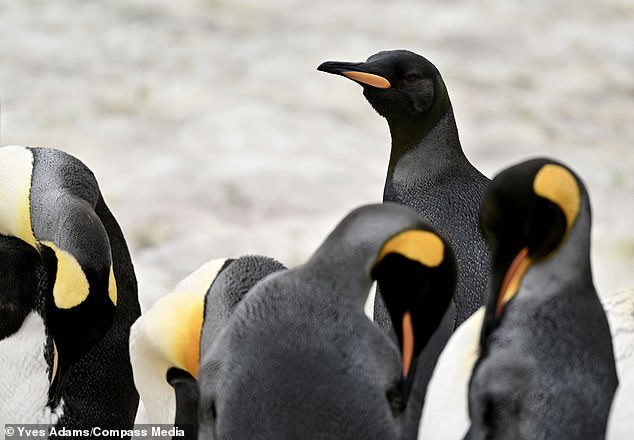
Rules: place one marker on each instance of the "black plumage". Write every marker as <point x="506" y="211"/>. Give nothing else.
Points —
<point x="427" y="169"/>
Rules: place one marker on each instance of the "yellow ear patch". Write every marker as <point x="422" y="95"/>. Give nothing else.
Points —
<point x="368" y="78"/>
<point x="174" y="323"/>
<point x="71" y="286"/>
<point x="112" y="287"/>
<point x="557" y="184"/>
<point x="16" y="169"/>
<point x="423" y="246"/>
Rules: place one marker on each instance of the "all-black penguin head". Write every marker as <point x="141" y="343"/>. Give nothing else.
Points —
<point x="299" y="359"/>
<point x="399" y="84"/>
<point x="528" y="212"/>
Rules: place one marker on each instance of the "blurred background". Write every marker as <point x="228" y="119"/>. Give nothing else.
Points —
<point x="212" y="134"/>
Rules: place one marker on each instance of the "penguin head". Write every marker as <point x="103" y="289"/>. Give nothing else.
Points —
<point x="76" y="323"/>
<point x="416" y="274"/>
<point x="165" y="342"/>
<point x="168" y="341"/>
<point x="528" y="212"/>
<point x="413" y="265"/>
<point x="232" y="283"/>
<point x="399" y="84"/>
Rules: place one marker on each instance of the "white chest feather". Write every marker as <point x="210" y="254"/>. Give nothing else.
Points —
<point x="24" y="376"/>
<point x="446" y="411"/>
<point x="619" y="307"/>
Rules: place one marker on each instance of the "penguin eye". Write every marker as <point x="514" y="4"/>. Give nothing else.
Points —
<point x="411" y="78"/>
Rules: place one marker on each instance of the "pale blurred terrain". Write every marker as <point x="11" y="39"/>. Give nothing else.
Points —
<point x="212" y="133"/>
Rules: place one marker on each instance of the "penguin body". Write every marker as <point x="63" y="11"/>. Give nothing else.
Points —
<point x="299" y="359"/>
<point x="546" y="367"/>
<point x="165" y="342"/>
<point x="85" y="284"/>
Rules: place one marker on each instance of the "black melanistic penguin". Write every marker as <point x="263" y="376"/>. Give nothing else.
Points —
<point x="428" y="171"/>
<point x="166" y="341"/>
<point x="546" y="366"/>
<point x="299" y="359"/>
<point x="427" y="168"/>
<point x="85" y="280"/>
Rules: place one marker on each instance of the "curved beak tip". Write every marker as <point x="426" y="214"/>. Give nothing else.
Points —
<point x="334" y="67"/>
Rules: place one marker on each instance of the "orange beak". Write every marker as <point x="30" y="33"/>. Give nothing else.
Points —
<point x="408" y="342"/>
<point x="368" y="78"/>
<point x="512" y="279"/>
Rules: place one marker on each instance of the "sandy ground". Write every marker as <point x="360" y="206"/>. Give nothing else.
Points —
<point x="212" y="134"/>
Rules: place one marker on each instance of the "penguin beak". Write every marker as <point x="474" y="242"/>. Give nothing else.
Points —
<point x="357" y="72"/>
<point x="58" y="378"/>
<point x="55" y="361"/>
<point x="407" y="343"/>
<point x="512" y="279"/>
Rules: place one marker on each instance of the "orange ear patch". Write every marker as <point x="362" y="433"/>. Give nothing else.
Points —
<point x="423" y="246"/>
<point x="558" y="185"/>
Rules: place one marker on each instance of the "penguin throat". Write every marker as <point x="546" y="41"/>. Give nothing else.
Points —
<point x="433" y="141"/>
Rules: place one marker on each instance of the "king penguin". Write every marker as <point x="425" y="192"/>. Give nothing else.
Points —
<point x="298" y="358"/>
<point x="83" y="286"/>
<point x="429" y="172"/>
<point x="165" y="341"/>
<point x="546" y="365"/>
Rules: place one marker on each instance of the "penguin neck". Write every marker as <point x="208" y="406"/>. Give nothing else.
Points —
<point x="355" y="285"/>
<point x="432" y="145"/>
<point x="569" y="265"/>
